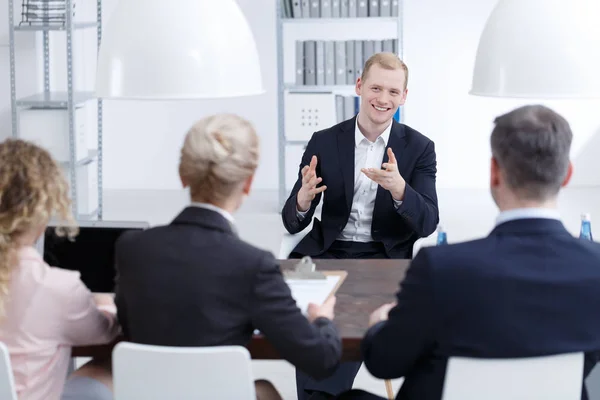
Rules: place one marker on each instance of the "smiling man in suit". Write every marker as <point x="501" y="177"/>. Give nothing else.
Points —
<point x="377" y="178"/>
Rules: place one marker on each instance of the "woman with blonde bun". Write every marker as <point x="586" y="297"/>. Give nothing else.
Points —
<point x="194" y="282"/>
<point x="44" y="311"/>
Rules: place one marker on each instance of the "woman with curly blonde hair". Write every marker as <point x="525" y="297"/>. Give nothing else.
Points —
<point x="44" y="311"/>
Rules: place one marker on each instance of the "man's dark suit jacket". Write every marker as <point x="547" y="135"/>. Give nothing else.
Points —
<point x="397" y="229"/>
<point x="528" y="289"/>
<point x="195" y="283"/>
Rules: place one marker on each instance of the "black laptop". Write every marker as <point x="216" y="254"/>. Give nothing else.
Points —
<point x="92" y="252"/>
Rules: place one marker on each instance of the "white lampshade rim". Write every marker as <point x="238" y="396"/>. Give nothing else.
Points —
<point x="185" y="97"/>
<point x="556" y="96"/>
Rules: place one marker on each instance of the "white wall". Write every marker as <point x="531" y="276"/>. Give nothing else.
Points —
<point x="142" y="139"/>
<point x="440" y="41"/>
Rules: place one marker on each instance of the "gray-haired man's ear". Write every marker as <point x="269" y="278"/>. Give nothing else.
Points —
<point x="569" y="174"/>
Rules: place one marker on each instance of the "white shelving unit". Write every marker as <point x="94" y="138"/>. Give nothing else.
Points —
<point x="68" y="100"/>
<point x="290" y="30"/>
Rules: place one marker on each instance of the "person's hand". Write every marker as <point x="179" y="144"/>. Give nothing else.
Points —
<point x="325" y="310"/>
<point x="389" y="177"/>
<point x="381" y="314"/>
<point x="105" y="302"/>
<point x="309" y="188"/>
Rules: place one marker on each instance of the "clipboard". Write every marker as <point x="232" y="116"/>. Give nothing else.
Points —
<point x="311" y="286"/>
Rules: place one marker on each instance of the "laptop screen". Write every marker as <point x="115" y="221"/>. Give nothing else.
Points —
<point x="92" y="252"/>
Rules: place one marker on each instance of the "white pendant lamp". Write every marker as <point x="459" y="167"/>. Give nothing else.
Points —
<point x="547" y="49"/>
<point x="177" y="49"/>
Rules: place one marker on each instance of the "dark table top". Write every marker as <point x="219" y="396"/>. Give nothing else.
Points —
<point x="369" y="284"/>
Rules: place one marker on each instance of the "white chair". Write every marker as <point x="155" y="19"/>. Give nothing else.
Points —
<point x="424" y="242"/>
<point x="290" y="241"/>
<point x="557" y="377"/>
<point x="182" y="373"/>
<point x="7" y="381"/>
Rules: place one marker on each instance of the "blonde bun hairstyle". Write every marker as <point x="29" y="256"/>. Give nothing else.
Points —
<point x="219" y="154"/>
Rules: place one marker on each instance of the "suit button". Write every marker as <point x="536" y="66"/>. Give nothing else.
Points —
<point x="376" y="231"/>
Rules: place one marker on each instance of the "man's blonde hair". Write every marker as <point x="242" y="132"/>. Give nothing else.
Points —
<point x="219" y="153"/>
<point x="386" y="61"/>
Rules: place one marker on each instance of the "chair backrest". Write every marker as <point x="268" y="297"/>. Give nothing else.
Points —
<point x="289" y="242"/>
<point x="160" y="372"/>
<point x="423" y="242"/>
<point x="7" y="381"/>
<point x="532" y="378"/>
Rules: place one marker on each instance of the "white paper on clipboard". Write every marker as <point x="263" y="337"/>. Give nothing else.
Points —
<point x="306" y="291"/>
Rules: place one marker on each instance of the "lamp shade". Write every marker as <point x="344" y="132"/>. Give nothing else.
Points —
<point x="540" y="49"/>
<point x="178" y="49"/>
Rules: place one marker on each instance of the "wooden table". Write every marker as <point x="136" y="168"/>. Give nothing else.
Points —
<point x="369" y="284"/>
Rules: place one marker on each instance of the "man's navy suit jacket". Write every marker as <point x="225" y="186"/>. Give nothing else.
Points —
<point x="397" y="229"/>
<point x="528" y="289"/>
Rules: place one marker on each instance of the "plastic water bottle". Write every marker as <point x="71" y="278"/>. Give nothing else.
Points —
<point x="586" y="228"/>
<point x="441" y="236"/>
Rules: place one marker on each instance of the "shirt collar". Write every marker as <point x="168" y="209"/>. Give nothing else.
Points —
<point x="358" y="136"/>
<point x="526" y="213"/>
<point x="214" y="208"/>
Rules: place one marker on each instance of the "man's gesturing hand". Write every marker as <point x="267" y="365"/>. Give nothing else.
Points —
<point x="309" y="188"/>
<point x="389" y="177"/>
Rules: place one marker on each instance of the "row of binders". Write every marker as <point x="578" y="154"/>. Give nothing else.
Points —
<point x="44" y="12"/>
<point x="340" y="8"/>
<point x="347" y="107"/>
<point x="340" y="62"/>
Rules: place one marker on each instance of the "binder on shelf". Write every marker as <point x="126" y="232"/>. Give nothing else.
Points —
<point x="329" y="63"/>
<point x="335" y="8"/>
<point x="305" y="8"/>
<point x="395" y="44"/>
<point x="388" y="45"/>
<point x="339" y="108"/>
<point x="385" y="8"/>
<point x="353" y="8"/>
<point x="373" y="8"/>
<point x="300" y="63"/>
<point x="320" y="62"/>
<point x="315" y="8"/>
<point x="296" y="8"/>
<point x="367" y="49"/>
<point x="395" y="8"/>
<point x="359" y="60"/>
<point x="397" y="115"/>
<point x="377" y="46"/>
<point x="350" y="73"/>
<point x="344" y="8"/>
<point x="310" y="73"/>
<point x="362" y="8"/>
<point x="340" y="62"/>
<point x="325" y="8"/>
<point x="349" y="107"/>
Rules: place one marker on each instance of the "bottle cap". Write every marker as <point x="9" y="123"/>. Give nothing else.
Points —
<point x="586" y="217"/>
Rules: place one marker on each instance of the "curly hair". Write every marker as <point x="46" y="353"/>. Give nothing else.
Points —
<point x="33" y="189"/>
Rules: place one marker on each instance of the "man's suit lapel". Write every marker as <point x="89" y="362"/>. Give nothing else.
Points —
<point x="346" y="147"/>
<point x="397" y="141"/>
